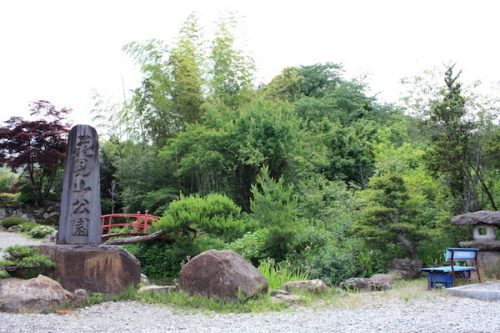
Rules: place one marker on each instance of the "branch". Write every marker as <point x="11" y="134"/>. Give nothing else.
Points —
<point x="136" y="239"/>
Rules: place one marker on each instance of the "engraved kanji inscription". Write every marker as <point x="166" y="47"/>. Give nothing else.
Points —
<point x="84" y="146"/>
<point x="79" y="221"/>
<point x="81" y="206"/>
<point x="80" y="227"/>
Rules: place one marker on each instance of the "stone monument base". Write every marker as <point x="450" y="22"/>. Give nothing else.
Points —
<point x="488" y="257"/>
<point x="106" y="269"/>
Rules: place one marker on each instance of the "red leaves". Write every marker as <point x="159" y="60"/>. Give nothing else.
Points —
<point x="37" y="146"/>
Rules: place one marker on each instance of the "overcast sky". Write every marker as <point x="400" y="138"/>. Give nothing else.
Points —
<point x="62" y="50"/>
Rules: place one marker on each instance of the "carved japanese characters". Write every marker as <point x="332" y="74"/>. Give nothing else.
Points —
<point x="79" y="222"/>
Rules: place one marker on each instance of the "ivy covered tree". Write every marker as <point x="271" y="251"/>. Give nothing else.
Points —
<point x="37" y="147"/>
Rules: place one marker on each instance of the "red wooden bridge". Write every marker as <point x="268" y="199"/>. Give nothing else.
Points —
<point x="125" y="225"/>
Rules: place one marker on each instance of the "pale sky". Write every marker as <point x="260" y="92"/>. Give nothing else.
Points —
<point x="63" y="50"/>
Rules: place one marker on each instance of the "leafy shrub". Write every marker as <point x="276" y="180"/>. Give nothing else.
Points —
<point x="275" y="207"/>
<point x="215" y="214"/>
<point x="27" y="226"/>
<point x="9" y="221"/>
<point x="41" y="231"/>
<point x="251" y="246"/>
<point x="9" y="199"/>
<point x="164" y="260"/>
<point x="24" y="262"/>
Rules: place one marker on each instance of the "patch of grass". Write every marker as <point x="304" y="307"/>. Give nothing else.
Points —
<point x="182" y="300"/>
<point x="404" y="291"/>
<point x="277" y="274"/>
<point x="9" y="221"/>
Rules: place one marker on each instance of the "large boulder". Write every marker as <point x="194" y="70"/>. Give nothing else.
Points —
<point x="106" y="269"/>
<point x="224" y="274"/>
<point x="405" y="268"/>
<point x="316" y="286"/>
<point x="37" y="295"/>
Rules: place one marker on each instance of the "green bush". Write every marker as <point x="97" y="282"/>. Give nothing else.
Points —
<point x="41" y="231"/>
<point x="9" y="221"/>
<point x="9" y="199"/>
<point x="24" y="262"/>
<point x="251" y="246"/>
<point x="163" y="260"/>
<point x="215" y="214"/>
<point x="27" y="226"/>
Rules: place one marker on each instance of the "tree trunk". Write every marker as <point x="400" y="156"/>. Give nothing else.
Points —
<point x="136" y="239"/>
<point x="408" y="245"/>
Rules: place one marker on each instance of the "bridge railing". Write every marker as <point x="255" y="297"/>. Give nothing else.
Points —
<point x="138" y="223"/>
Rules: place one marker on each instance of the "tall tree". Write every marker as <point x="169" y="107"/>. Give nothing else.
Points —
<point x="186" y="60"/>
<point x="231" y="72"/>
<point x="452" y="152"/>
<point x="36" y="146"/>
<point x="150" y="113"/>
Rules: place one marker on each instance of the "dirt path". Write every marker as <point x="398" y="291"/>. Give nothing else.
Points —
<point x="12" y="238"/>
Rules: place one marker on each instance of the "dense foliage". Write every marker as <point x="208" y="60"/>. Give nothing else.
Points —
<point x="308" y="171"/>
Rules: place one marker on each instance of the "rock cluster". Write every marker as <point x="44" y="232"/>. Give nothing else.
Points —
<point x="376" y="282"/>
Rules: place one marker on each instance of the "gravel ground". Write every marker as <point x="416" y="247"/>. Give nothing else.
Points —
<point x="11" y="238"/>
<point x="439" y="314"/>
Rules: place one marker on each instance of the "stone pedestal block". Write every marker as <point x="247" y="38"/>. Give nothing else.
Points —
<point x="489" y="264"/>
<point x="106" y="269"/>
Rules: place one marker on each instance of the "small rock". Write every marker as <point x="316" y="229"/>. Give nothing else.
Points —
<point x="381" y="281"/>
<point x="145" y="279"/>
<point x="78" y="297"/>
<point x="157" y="289"/>
<point x="14" y="228"/>
<point x="279" y="292"/>
<point x="356" y="284"/>
<point x="292" y="299"/>
<point x="316" y="286"/>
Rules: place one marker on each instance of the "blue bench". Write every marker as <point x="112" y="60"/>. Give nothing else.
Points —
<point x="444" y="276"/>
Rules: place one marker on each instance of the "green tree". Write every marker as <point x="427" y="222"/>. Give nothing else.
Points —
<point x="150" y="114"/>
<point x="274" y="207"/>
<point x="388" y="218"/>
<point x="186" y="60"/>
<point x="231" y="72"/>
<point x="452" y="153"/>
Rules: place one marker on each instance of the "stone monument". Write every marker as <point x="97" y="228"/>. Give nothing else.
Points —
<point x="484" y="224"/>
<point x="81" y="263"/>
<point x="79" y="221"/>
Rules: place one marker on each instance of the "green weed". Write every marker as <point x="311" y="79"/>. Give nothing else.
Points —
<point x="277" y="274"/>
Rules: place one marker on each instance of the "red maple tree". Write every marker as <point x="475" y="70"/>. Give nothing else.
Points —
<point x="36" y="147"/>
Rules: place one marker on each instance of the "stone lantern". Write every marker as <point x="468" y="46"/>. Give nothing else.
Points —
<point x="484" y="224"/>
